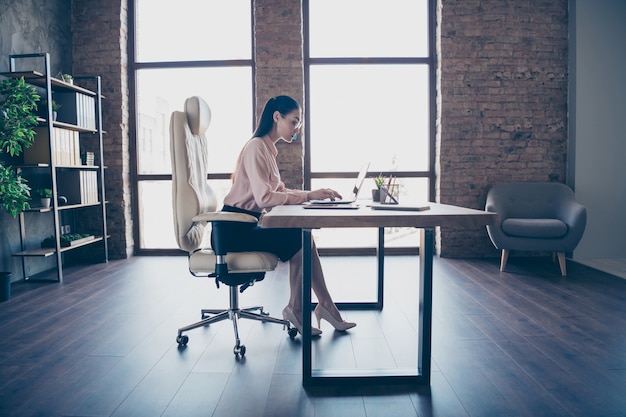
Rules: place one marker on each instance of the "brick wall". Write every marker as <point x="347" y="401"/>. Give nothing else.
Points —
<point x="503" y="103"/>
<point x="279" y="70"/>
<point x="99" y="47"/>
<point x="502" y="98"/>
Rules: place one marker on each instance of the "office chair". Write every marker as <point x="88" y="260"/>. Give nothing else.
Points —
<point x="194" y="206"/>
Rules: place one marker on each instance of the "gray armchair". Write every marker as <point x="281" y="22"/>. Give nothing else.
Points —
<point x="535" y="216"/>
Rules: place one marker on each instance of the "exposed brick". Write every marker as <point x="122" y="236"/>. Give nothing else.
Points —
<point x="99" y="47"/>
<point x="503" y="103"/>
<point x="280" y="70"/>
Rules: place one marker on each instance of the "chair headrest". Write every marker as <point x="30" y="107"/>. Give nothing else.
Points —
<point x="198" y="115"/>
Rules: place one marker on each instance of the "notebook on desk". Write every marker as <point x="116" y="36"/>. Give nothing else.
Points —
<point x="400" y="206"/>
<point x="358" y="185"/>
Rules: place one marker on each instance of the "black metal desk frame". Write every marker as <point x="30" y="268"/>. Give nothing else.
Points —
<point x="418" y="376"/>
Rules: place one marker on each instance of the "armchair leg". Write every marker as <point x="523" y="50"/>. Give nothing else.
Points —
<point x="561" y="256"/>
<point x="505" y="257"/>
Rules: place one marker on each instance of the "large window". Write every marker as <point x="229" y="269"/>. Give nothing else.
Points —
<point x="369" y="98"/>
<point x="179" y="51"/>
<point x="369" y="81"/>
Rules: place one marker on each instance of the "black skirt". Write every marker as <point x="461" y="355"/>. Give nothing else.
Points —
<point x="250" y="237"/>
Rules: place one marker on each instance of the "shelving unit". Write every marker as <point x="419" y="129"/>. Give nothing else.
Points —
<point x="48" y="164"/>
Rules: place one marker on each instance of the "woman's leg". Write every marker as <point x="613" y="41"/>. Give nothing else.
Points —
<point x="318" y="284"/>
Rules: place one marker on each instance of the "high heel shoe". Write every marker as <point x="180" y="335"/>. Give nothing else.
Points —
<point x="322" y="313"/>
<point x="290" y="316"/>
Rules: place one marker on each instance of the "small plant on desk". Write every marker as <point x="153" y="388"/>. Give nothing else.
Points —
<point x="379" y="181"/>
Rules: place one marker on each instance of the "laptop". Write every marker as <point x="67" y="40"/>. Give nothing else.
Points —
<point x="358" y="185"/>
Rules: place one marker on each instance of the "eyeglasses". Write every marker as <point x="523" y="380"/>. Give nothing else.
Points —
<point x="297" y="124"/>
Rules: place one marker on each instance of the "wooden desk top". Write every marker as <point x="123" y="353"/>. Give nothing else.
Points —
<point x="438" y="215"/>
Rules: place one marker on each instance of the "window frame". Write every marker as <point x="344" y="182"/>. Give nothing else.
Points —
<point x="133" y="67"/>
<point x="429" y="60"/>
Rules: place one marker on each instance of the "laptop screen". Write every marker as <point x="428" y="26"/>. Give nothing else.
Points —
<point x="358" y="185"/>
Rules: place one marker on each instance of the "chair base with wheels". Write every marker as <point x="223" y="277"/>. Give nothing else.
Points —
<point x="234" y="313"/>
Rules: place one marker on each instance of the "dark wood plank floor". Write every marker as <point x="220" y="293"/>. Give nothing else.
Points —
<point x="522" y="343"/>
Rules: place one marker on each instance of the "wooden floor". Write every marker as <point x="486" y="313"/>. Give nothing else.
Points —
<point x="522" y="343"/>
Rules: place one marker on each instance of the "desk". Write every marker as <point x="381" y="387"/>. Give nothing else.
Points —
<point x="438" y="215"/>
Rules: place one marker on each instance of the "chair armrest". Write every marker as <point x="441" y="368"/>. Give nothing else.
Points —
<point x="492" y="207"/>
<point x="224" y="216"/>
<point x="573" y="214"/>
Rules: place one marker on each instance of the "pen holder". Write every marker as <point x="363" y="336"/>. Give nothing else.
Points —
<point x="387" y="194"/>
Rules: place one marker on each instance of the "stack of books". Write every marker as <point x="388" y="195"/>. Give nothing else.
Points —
<point x="77" y="108"/>
<point x="78" y="186"/>
<point x="89" y="158"/>
<point x="66" y="147"/>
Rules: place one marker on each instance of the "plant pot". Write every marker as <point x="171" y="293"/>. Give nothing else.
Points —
<point x="376" y="195"/>
<point x="45" y="202"/>
<point x="5" y="286"/>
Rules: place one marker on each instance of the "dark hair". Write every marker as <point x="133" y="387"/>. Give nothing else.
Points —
<point x="282" y="104"/>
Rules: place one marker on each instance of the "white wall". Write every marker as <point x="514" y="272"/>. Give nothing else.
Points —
<point x="598" y="123"/>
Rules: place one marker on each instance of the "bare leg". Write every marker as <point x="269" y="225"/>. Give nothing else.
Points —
<point x="318" y="284"/>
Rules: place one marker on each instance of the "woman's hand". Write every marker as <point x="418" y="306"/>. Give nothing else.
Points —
<point x="323" y="194"/>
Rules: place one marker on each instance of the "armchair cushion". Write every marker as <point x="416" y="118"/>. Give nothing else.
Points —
<point x="537" y="228"/>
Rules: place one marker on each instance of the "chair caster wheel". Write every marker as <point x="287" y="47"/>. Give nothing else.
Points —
<point x="182" y="340"/>
<point x="292" y="332"/>
<point x="239" y="350"/>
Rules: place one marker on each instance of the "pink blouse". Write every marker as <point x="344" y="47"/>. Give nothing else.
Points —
<point x="257" y="183"/>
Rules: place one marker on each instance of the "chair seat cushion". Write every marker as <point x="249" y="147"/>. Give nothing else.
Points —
<point x="203" y="261"/>
<point x="535" y="228"/>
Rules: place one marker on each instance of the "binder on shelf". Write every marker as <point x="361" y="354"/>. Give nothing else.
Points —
<point x="39" y="151"/>
<point x="78" y="186"/>
<point x="77" y="109"/>
<point x="66" y="147"/>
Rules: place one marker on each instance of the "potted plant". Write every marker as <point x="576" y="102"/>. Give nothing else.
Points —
<point x="379" y="181"/>
<point x="45" y="196"/>
<point x="18" y="105"/>
<point x="67" y="78"/>
<point x="43" y="109"/>
<point x="55" y="109"/>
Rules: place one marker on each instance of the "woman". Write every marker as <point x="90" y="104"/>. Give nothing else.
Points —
<point x="256" y="186"/>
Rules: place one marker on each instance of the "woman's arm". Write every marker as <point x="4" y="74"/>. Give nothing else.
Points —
<point x="262" y="173"/>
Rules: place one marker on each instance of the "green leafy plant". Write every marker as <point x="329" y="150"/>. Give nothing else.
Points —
<point x="380" y="181"/>
<point x="66" y="239"/>
<point x="55" y="106"/>
<point x="18" y="104"/>
<point x="44" y="193"/>
<point x="44" y="107"/>
<point x="67" y="77"/>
